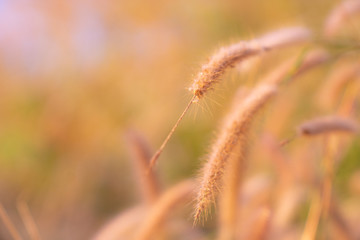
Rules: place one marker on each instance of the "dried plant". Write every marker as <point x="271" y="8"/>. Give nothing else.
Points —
<point x="234" y="132"/>
<point x="226" y="58"/>
<point x="258" y="184"/>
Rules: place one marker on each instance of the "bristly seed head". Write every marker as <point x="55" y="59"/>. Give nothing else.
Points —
<point x="228" y="57"/>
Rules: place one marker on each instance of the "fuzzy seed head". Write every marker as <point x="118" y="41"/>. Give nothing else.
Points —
<point x="235" y="128"/>
<point x="227" y="57"/>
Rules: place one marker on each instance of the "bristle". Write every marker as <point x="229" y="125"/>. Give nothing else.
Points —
<point x="231" y="134"/>
<point x="228" y="204"/>
<point x="227" y="57"/>
<point x="328" y="124"/>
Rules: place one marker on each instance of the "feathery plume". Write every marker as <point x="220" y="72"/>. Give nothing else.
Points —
<point x="231" y="134"/>
<point x="228" y="204"/>
<point x="227" y="57"/>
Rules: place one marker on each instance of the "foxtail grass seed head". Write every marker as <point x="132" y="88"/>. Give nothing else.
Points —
<point x="227" y="57"/>
<point x="328" y="124"/>
<point x="211" y="176"/>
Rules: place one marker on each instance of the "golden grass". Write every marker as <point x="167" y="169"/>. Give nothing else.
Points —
<point x="234" y="132"/>
<point x="257" y="184"/>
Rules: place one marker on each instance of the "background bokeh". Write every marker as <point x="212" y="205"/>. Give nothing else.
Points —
<point x="76" y="74"/>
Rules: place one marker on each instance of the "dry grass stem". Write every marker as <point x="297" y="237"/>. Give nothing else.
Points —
<point x="8" y="224"/>
<point x="141" y="154"/>
<point x="28" y="220"/>
<point x="230" y="136"/>
<point x="173" y="198"/>
<point x="328" y="124"/>
<point x="313" y="219"/>
<point x="340" y="15"/>
<point x="155" y="157"/>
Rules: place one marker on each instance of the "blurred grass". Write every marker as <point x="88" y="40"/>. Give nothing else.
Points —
<point x="65" y="104"/>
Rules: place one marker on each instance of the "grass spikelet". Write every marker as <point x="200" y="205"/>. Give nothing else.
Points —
<point x="228" y="204"/>
<point x="231" y="134"/>
<point x="339" y="16"/>
<point x="141" y="154"/>
<point x="171" y="199"/>
<point x="328" y="124"/>
<point x="229" y="199"/>
<point x="227" y="57"/>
